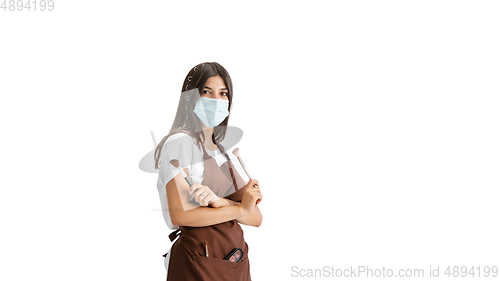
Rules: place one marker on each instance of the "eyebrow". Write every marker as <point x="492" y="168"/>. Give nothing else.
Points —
<point x="211" y="88"/>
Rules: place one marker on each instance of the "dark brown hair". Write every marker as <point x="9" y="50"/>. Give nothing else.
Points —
<point x="185" y="120"/>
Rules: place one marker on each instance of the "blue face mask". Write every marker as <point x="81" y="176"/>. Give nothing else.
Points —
<point x="211" y="112"/>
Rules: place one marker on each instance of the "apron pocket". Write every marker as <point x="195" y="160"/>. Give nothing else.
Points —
<point x="219" y="269"/>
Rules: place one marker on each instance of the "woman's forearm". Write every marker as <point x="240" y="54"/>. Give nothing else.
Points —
<point x="252" y="219"/>
<point x="204" y="216"/>
<point x="184" y="213"/>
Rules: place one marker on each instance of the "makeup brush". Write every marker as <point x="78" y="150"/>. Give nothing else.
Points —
<point x="175" y="163"/>
<point x="236" y="153"/>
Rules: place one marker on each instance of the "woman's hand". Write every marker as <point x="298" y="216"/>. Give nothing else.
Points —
<point x="219" y="203"/>
<point x="251" y="196"/>
<point x="203" y="194"/>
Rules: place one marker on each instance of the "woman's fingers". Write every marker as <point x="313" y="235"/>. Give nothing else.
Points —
<point x="256" y="195"/>
<point x="253" y="183"/>
<point x="200" y="194"/>
<point x="204" y="201"/>
<point x="198" y="191"/>
<point x="204" y="195"/>
<point x="259" y="199"/>
<point x="208" y="199"/>
<point x="194" y="187"/>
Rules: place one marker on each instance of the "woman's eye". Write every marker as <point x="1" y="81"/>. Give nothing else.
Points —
<point x="206" y="92"/>
<point x="224" y="93"/>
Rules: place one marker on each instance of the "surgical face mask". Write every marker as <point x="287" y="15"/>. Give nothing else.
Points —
<point x="211" y="112"/>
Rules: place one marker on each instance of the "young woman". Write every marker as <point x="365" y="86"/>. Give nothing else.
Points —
<point x="207" y="214"/>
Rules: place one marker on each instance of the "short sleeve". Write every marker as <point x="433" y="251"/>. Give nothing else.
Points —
<point x="178" y="146"/>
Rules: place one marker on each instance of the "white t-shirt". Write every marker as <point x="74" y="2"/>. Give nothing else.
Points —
<point x="183" y="147"/>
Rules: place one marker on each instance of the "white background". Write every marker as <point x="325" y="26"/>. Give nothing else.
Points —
<point x="372" y="126"/>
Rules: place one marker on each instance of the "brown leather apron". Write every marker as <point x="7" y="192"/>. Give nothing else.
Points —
<point x="187" y="255"/>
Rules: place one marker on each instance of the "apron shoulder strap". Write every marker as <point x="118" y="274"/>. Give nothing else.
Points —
<point x="223" y="151"/>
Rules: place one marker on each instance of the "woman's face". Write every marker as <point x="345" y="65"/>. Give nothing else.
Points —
<point x="215" y="88"/>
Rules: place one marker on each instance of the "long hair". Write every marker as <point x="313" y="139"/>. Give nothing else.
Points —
<point x="185" y="120"/>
